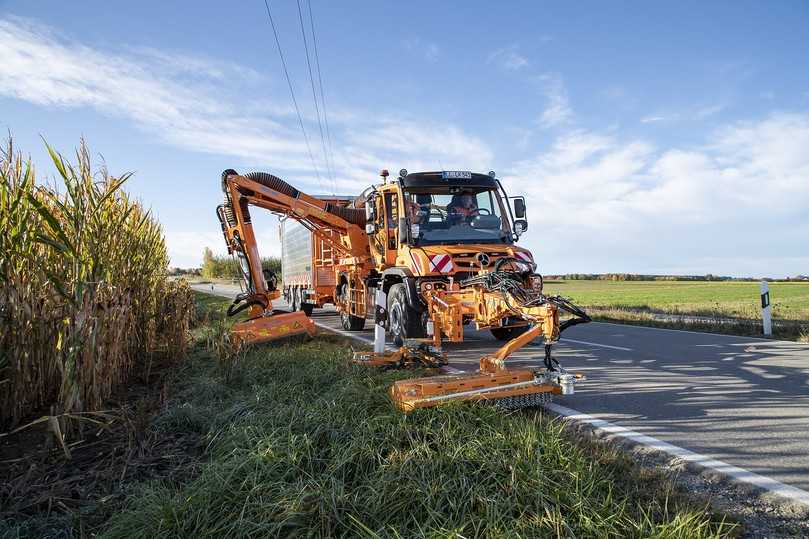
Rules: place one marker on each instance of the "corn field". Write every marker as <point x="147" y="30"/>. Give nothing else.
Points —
<point x="84" y="300"/>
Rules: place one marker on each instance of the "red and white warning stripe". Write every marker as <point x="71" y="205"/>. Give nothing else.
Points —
<point x="441" y="263"/>
<point x="524" y="256"/>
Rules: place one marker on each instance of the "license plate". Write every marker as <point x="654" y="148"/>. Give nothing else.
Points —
<point x="456" y="175"/>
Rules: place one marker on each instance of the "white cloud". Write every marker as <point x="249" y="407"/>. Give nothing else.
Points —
<point x="151" y="89"/>
<point x="652" y="119"/>
<point x="623" y="204"/>
<point x="508" y="58"/>
<point x="557" y="109"/>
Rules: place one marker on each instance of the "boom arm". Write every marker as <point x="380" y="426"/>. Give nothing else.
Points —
<point x="275" y="195"/>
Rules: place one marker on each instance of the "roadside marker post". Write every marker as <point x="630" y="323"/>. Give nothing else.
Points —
<point x="766" y="313"/>
<point x="380" y="316"/>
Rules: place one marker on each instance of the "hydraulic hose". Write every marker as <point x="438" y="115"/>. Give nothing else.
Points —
<point x="354" y="216"/>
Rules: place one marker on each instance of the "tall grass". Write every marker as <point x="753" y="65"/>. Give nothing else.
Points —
<point x="83" y="296"/>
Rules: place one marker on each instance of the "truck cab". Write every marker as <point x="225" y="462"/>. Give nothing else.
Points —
<point x="429" y="231"/>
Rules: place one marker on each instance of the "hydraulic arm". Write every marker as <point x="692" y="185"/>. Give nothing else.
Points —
<point x="502" y="292"/>
<point x="271" y="193"/>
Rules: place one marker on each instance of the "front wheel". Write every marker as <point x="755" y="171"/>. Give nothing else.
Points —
<point x="404" y="322"/>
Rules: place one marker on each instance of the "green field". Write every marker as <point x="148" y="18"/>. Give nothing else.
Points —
<point x="790" y="301"/>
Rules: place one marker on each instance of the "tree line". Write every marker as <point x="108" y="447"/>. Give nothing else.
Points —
<point x="227" y="267"/>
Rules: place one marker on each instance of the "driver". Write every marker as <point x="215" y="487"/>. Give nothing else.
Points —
<point x="463" y="207"/>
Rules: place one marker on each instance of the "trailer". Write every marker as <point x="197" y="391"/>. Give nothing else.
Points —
<point x="308" y="273"/>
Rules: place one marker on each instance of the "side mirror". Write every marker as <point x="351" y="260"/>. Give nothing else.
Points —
<point x="520" y="226"/>
<point x="402" y="230"/>
<point x="519" y="208"/>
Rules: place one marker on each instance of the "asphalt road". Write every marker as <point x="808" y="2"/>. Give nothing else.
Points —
<point x="740" y="400"/>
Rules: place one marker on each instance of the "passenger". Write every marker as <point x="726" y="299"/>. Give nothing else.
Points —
<point x="419" y="211"/>
<point x="463" y="208"/>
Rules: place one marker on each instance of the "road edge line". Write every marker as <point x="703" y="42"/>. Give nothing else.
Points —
<point x="738" y="475"/>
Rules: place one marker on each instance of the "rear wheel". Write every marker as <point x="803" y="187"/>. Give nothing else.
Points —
<point x="404" y="322"/>
<point x="348" y="321"/>
<point x="296" y="299"/>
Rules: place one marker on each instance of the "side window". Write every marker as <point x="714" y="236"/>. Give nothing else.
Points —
<point x="392" y="210"/>
<point x="485" y="201"/>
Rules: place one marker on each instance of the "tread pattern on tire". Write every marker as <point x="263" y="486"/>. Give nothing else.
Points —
<point x="412" y="323"/>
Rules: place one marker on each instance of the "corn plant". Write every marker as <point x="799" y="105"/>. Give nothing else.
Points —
<point x="84" y="299"/>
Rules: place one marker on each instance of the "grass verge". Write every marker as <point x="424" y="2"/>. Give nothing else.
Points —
<point x="300" y="442"/>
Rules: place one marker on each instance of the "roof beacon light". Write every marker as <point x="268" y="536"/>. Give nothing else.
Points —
<point x="403" y="173"/>
<point x="492" y="174"/>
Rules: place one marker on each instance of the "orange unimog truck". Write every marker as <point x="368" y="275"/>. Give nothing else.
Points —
<point x="424" y="242"/>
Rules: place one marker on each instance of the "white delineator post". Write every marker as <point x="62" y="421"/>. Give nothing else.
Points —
<point x="380" y="316"/>
<point x="766" y="314"/>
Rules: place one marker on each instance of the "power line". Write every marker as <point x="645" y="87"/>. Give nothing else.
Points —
<point x="292" y="93"/>
<point x="314" y="96"/>
<point x="320" y="84"/>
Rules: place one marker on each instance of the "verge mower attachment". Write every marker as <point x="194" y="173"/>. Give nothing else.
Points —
<point x="509" y="294"/>
<point x="270" y="325"/>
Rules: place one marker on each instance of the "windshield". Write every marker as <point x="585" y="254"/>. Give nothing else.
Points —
<point x="462" y="217"/>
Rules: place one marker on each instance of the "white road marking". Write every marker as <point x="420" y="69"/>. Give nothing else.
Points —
<point x="350" y="335"/>
<point x="739" y="474"/>
<point x="565" y="339"/>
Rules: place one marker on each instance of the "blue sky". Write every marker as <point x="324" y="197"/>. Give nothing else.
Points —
<point x="648" y="138"/>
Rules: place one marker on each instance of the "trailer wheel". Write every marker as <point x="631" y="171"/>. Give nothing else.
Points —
<point x="296" y="300"/>
<point x="348" y="321"/>
<point x="403" y="321"/>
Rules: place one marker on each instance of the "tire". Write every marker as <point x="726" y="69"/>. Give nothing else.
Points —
<point x="404" y="322"/>
<point x="506" y="334"/>
<point x="296" y="300"/>
<point x="349" y="321"/>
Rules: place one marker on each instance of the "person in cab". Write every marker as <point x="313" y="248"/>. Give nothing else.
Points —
<point x="463" y="208"/>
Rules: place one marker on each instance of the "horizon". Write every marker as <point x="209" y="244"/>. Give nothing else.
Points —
<point x="667" y="140"/>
